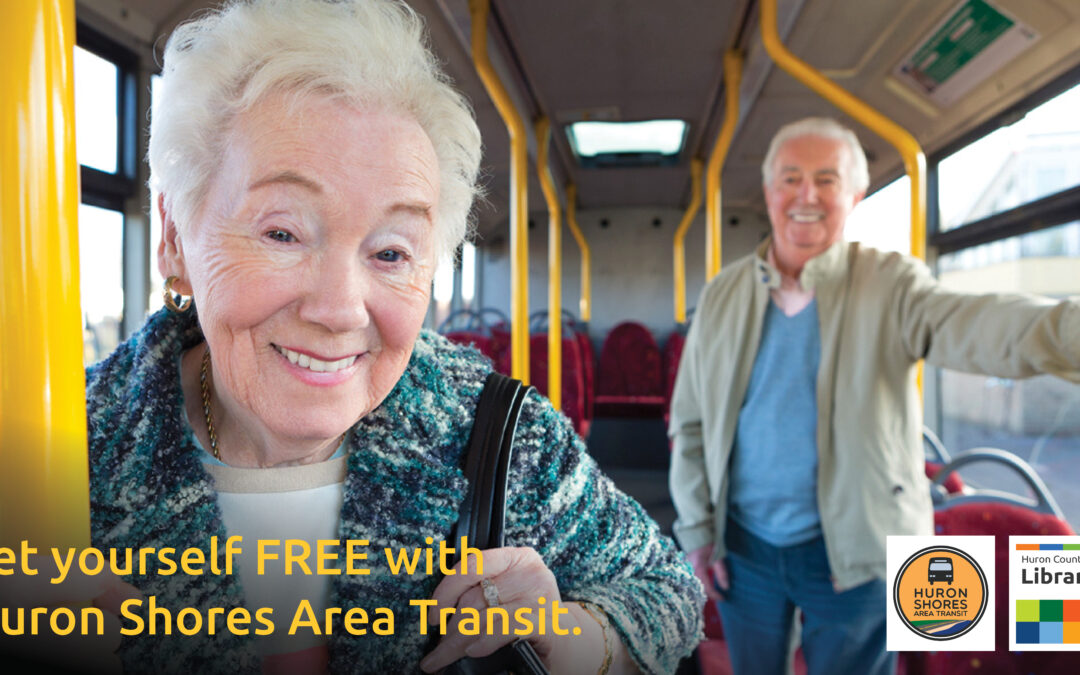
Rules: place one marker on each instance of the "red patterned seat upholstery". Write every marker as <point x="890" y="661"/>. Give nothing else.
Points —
<point x="953" y="483"/>
<point x="630" y="381"/>
<point x="673" y="350"/>
<point x="588" y="373"/>
<point x="573" y="382"/>
<point x="479" y="340"/>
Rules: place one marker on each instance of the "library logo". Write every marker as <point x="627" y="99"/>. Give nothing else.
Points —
<point x="1044" y="593"/>
<point x="941" y="593"/>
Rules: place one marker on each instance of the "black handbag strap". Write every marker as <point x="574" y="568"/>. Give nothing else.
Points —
<point x="487" y="462"/>
<point x="483" y="512"/>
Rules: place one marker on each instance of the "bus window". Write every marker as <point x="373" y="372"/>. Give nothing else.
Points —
<point x="883" y="219"/>
<point x="1036" y="418"/>
<point x="101" y="245"/>
<point x="1032" y="158"/>
<point x="96" y="114"/>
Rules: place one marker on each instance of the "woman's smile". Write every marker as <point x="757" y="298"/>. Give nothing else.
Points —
<point x="320" y="371"/>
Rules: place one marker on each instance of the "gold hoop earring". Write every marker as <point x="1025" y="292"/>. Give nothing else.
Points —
<point x="171" y="298"/>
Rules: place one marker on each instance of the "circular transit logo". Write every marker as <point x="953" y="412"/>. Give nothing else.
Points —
<point x="940" y="593"/>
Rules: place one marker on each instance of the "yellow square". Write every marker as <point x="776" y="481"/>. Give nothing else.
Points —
<point x="1071" y="633"/>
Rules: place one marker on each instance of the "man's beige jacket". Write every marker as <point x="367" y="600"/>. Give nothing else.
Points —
<point x="879" y="314"/>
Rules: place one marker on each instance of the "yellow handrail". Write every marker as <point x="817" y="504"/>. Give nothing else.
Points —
<point x="519" y="216"/>
<point x="547" y="185"/>
<point x="44" y="493"/>
<point x="733" y="62"/>
<point x="680" y="236"/>
<point x="585" y="304"/>
<point x="910" y="151"/>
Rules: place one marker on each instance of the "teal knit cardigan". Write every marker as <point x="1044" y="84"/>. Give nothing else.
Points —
<point x="403" y="484"/>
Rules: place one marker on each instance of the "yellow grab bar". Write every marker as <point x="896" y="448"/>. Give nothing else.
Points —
<point x="547" y="185"/>
<point x="914" y="160"/>
<point x="44" y="493"/>
<point x="680" y="236"/>
<point x="519" y="216"/>
<point x="585" y="304"/>
<point x="733" y="62"/>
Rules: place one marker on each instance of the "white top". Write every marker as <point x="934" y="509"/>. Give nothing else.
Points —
<point x="297" y="502"/>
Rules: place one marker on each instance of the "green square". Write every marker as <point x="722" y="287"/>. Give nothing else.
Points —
<point x="1050" y="610"/>
<point x="1027" y="610"/>
<point x="1070" y="547"/>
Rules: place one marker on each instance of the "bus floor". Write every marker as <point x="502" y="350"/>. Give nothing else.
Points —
<point x="634" y="454"/>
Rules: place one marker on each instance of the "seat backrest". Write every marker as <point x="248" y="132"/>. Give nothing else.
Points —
<point x="673" y="350"/>
<point x="588" y="371"/>
<point x="953" y="483"/>
<point x="630" y="363"/>
<point x="573" y="386"/>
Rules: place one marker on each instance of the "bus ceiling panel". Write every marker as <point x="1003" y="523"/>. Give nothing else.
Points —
<point x="122" y="21"/>
<point x="645" y="58"/>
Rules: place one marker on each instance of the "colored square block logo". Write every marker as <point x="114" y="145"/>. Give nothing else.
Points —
<point x="1071" y="633"/>
<point x="1027" y="610"/>
<point x="1027" y="632"/>
<point x="1050" y="610"/>
<point x="1071" y="611"/>
<point x="1050" y="633"/>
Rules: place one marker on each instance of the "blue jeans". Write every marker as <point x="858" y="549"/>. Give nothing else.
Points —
<point x="841" y="632"/>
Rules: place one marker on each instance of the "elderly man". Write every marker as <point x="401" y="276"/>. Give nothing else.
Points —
<point x="796" y="418"/>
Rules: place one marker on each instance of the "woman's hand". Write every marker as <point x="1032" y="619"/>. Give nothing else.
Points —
<point x="86" y="653"/>
<point x="520" y="579"/>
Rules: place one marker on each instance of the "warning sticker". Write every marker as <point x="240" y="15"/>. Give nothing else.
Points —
<point x="967" y="46"/>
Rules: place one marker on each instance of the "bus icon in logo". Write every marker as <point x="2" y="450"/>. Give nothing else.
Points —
<point x="940" y="593"/>
<point x="940" y="569"/>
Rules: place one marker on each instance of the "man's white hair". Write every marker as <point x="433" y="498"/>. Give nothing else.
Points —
<point x="858" y="173"/>
<point x="362" y="52"/>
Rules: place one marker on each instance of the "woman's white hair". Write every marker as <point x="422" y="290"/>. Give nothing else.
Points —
<point x="826" y="127"/>
<point x="364" y="52"/>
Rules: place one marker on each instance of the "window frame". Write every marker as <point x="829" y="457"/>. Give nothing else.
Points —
<point x="101" y="188"/>
<point x="1050" y="211"/>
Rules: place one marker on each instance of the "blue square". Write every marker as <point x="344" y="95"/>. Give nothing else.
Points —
<point x="1051" y="632"/>
<point x="1027" y="632"/>
<point x="1051" y="547"/>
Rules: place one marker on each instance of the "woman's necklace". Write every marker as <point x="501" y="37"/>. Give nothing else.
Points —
<point x="204" y="383"/>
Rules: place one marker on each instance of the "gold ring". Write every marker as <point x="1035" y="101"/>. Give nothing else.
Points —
<point x="491" y="592"/>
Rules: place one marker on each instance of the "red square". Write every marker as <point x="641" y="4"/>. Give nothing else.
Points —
<point x="1071" y="610"/>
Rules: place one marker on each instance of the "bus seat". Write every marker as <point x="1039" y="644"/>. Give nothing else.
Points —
<point x="465" y="327"/>
<point x="987" y="512"/>
<point x="953" y="484"/>
<point x="498" y="327"/>
<point x="673" y="350"/>
<point x="629" y="380"/>
<point x="588" y="372"/>
<point x="573" y="385"/>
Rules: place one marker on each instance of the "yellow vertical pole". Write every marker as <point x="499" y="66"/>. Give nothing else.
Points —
<point x="585" y="304"/>
<point x="44" y="494"/>
<point x="519" y="216"/>
<point x="733" y="62"/>
<point x="543" y="140"/>
<point x="900" y="138"/>
<point x="680" y="238"/>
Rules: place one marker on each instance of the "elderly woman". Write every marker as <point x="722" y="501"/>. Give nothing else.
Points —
<point x="312" y="164"/>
